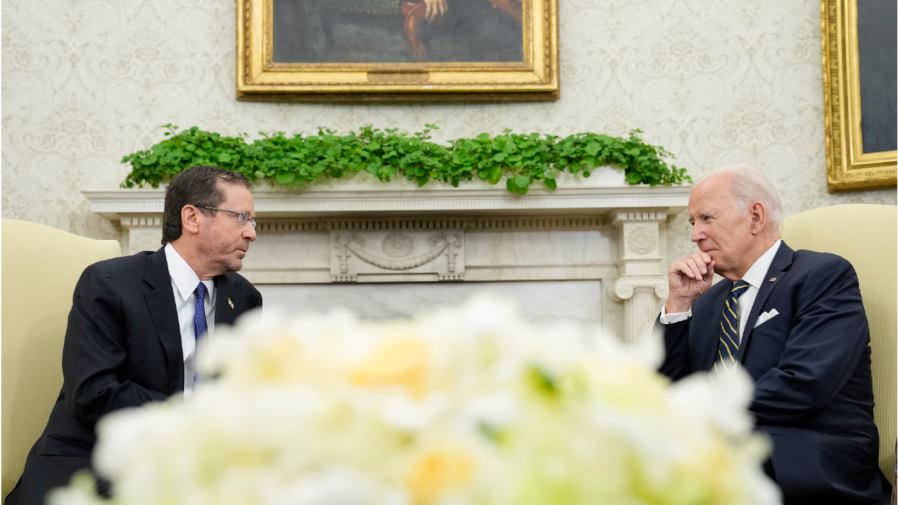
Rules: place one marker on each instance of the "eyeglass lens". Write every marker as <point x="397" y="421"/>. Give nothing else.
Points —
<point x="243" y="217"/>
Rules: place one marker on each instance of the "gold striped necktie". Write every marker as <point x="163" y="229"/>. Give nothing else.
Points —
<point x="728" y="346"/>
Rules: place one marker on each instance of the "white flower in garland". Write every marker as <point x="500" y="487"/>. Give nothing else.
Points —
<point x="456" y="407"/>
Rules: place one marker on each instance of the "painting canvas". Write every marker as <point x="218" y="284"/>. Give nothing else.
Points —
<point x="876" y="47"/>
<point x="397" y="50"/>
<point x="859" y="86"/>
<point x="387" y="31"/>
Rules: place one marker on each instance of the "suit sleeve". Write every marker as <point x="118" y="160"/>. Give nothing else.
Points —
<point x="94" y="356"/>
<point x="676" y="364"/>
<point x="828" y="335"/>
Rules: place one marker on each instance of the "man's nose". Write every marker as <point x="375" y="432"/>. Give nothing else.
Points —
<point x="249" y="232"/>
<point x="697" y="233"/>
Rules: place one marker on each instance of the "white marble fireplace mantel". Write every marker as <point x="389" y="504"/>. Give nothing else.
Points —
<point x="614" y="235"/>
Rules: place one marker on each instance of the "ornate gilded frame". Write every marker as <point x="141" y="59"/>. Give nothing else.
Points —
<point x="847" y="166"/>
<point x="260" y="79"/>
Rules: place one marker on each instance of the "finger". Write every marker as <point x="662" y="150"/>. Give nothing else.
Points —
<point x="710" y="271"/>
<point x="705" y="257"/>
<point x="700" y="263"/>
<point x="444" y="8"/>
<point x="696" y="268"/>
<point x="683" y="268"/>
<point x="428" y="13"/>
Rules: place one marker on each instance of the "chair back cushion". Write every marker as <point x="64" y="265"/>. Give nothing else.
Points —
<point x="865" y="235"/>
<point x="39" y="270"/>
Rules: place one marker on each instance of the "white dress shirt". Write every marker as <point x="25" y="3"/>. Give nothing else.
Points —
<point x="754" y="277"/>
<point x="184" y="282"/>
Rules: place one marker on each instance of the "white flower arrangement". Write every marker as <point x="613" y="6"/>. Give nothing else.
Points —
<point x="456" y="407"/>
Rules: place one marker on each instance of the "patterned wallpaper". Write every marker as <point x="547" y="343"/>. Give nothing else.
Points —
<point x="714" y="81"/>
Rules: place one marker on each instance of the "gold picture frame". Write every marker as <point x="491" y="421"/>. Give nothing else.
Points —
<point x="848" y="167"/>
<point x="267" y="72"/>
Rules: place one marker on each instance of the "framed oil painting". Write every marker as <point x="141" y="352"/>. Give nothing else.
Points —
<point x="397" y="50"/>
<point x="859" y="93"/>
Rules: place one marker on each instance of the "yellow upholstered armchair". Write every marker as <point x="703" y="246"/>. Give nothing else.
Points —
<point x="40" y="268"/>
<point x="865" y="235"/>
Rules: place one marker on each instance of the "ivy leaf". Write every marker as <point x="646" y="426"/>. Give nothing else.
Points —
<point x="495" y="173"/>
<point x="224" y="157"/>
<point x="285" y="178"/>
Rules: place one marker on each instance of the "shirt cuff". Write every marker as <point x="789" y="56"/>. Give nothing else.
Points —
<point x="676" y="317"/>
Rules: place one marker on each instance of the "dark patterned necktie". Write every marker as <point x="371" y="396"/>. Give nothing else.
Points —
<point x="199" y="324"/>
<point x="728" y="346"/>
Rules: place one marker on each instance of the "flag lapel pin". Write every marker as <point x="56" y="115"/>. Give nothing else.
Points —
<point x="772" y="279"/>
<point x="230" y="303"/>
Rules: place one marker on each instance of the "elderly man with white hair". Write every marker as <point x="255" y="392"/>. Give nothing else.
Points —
<point x="795" y="322"/>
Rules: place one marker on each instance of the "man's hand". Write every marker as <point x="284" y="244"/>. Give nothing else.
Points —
<point x="688" y="279"/>
<point x="435" y="9"/>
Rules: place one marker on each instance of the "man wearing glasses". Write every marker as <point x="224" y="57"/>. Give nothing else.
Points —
<point x="136" y="321"/>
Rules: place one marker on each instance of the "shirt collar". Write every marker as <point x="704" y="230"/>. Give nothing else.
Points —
<point x="755" y="274"/>
<point x="182" y="275"/>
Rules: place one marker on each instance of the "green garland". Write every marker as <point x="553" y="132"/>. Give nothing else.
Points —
<point x="385" y="154"/>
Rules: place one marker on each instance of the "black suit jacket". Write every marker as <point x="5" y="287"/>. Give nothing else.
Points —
<point x="122" y="349"/>
<point x="811" y="367"/>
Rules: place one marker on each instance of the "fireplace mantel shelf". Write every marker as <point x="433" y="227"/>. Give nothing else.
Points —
<point x="269" y="203"/>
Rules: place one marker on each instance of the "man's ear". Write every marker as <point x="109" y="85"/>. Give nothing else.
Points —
<point x="758" y="218"/>
<point x="190" y="219"/>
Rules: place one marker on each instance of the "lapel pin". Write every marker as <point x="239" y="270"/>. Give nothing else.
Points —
<point x="772" y="279"/>
<point x="231" y="303"/>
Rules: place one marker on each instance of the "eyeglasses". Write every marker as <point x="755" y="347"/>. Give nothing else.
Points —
<point x="242" y="217"/>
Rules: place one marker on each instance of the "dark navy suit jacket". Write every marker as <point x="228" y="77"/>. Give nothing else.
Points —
<point x="122" y="349"/>
<point x="811" y="367"/>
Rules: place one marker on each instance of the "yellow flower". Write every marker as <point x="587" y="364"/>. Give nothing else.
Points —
<point x="278" y="361"/>
<point x="436" y="472"/>
<point x="400" y="361"/>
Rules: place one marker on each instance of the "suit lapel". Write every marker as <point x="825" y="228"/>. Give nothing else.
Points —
<point x="161" y="304"/>
<point x="226" y="308"/>
<point x="712" y="332"/>
<point x="777" y="271"/>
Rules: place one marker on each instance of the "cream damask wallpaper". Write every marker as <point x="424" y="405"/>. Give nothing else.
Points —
<point x="715" y="81"/>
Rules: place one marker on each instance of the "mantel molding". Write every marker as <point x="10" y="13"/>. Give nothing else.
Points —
<point x="115" y="204"/>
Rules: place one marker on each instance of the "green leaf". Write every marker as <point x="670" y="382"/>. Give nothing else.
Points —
<point x="285" y="178"/>
<point x="522" y="181"/>
<point x="224" y="157"/>
<point x="551" y="184"/>
<point x="495" y="173"/>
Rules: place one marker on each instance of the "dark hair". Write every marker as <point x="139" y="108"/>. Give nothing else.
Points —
<point x="198" y="185"/>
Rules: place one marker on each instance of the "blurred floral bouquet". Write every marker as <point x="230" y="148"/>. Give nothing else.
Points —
<point x="456" y="407"/>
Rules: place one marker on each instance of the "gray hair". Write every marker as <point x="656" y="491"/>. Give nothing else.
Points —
<point x="749" y="186"/>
